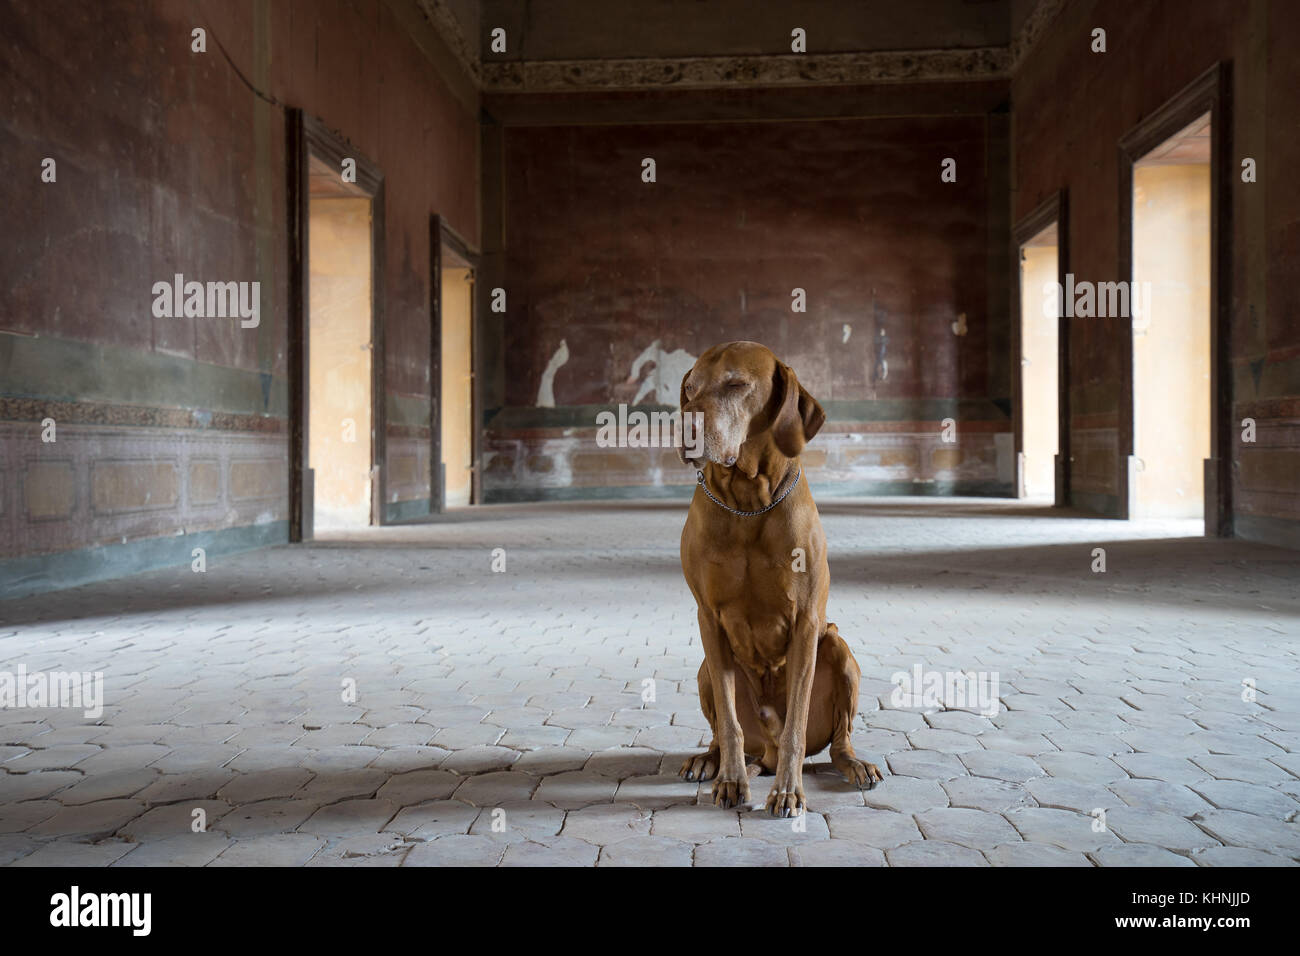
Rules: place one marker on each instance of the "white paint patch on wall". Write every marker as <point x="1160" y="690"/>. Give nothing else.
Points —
<point x="546" y="390"/>
<point x="665" y="378"/>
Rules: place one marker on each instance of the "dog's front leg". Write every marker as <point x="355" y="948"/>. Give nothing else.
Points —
<point x="786" y="798"/>
<point x="731" y="788"/>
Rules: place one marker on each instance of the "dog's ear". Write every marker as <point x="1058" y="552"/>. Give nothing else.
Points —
<point x="799" y="416"/>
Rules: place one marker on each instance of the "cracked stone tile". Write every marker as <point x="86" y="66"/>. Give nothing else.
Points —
<point x="107" y="786"/>
<point x="1029" y="745"/>
<point x="552" y="760"/>
<point x="92" y="821"/>
<point x="520" y="820"/>
<point x="934" y="853"/>
<point x="496" y="788"/>
<point x="656" y="791"/>
<point x="419" y="786"/>
<point x="275" y="849"/>
<point x="53" y="758"/>
<point x="982" y="793"/>
<point x="176" y="819"/>
<point x="189" y="849"/>
<point x="575" y="789"/>
<point x="927" y="765"/>
<point x="1148" y="766"/>
<point x="1138" y="854"/>
<point x="1159" y="795"/>
<point x="606" y="823"/>
<point x="74" y="853"/>
<point x="835" y="853"/>
<point x="400" y="735"/>
<point x="1034" y="854"/>
<point x="477" y="760"/>
<point x="738" y="851"/>
<point x="266" y="817"/>
<point x="942" y="741"/>
<point x="669" y="737"/>
<point x="559" y="851"/>
<point x="625" y="762"/>
<point x="787" y="831"/>
<point x="1069" y="831"/>
<point x="16" y="817"/>
<point x="130" y="757"/>
<point x="403" y="759"/>
<point x="876" y="828"/>
<point x="1243" y="769"/>
<point x="467" y="736"/>
<point x="15" y="846"/>
<point x="429" y="821"/>
<point x="1061" y="793"/>
<point x="1238" y="856"/>
<point x="1015" y="768"/>
<point x="1247" y="797"/>
<point x="535" y="738"/>
<point x="906" y="795"/>
<point x="333" y="785"/>
<point x="16" y="787"/>
<point x="646" y="851"/>
<point x="977" y="829"/>
<point x="264" y="785"/>
<point x="334" y="759"/>
<point x="695" y="824"/>
<point x="1133" y="825"/>
<point x="1085" y="768"/>
<point x="171" y="787"/>
<point x="607" y="738"/>
<point x="350" y="818"/>
<point x="370" y="850"/>
<point x="1235" y="828"/>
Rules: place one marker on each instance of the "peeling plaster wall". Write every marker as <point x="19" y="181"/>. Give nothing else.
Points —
<point x="632" y="280"/>
<point x="168" y="163"/>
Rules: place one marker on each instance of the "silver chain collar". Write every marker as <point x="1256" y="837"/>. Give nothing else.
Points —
<point x="748" y="514"/>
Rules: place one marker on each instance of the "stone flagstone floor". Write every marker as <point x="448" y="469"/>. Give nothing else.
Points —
<point x="499" y="718"/>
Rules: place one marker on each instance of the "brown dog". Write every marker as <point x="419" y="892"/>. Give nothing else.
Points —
<point x="762" y="609"/>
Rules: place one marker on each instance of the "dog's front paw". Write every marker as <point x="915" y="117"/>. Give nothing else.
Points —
<point x="786" y="798"/>
<point x="730" y="793"/>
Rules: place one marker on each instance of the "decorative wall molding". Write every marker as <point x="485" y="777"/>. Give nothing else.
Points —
<point x="1032" y="30"/>
<point x="447" y="27"/>
<point x="703" y="72"/>
<point x="902" y="66"/>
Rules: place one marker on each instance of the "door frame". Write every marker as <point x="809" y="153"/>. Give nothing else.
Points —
<point x="1054" y="209"/>
<point x="1208" y="93"/>
<point x="442" y="234"/>
<point x="308" y="136"/>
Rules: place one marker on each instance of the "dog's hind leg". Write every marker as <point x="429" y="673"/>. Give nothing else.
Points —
<point x="844" y="674"/>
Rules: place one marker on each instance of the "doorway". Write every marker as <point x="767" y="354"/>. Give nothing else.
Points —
<point x="1175" y="386"/>
<point x="1170" y="301"/>
<point x="455" y="400"/>
<point x="336" y="204"/>
<point x="1040" y="345"/>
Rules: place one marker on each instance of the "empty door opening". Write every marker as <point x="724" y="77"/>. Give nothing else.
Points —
<point x="336" y="333"/>
<point x="1039" y="361"/>
<point x="339" y="372"/>
<point x="1170" y="299"/>
<point x="456" y="418"/>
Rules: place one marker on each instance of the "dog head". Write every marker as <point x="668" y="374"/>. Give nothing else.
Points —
<point x="746" y="396"/>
